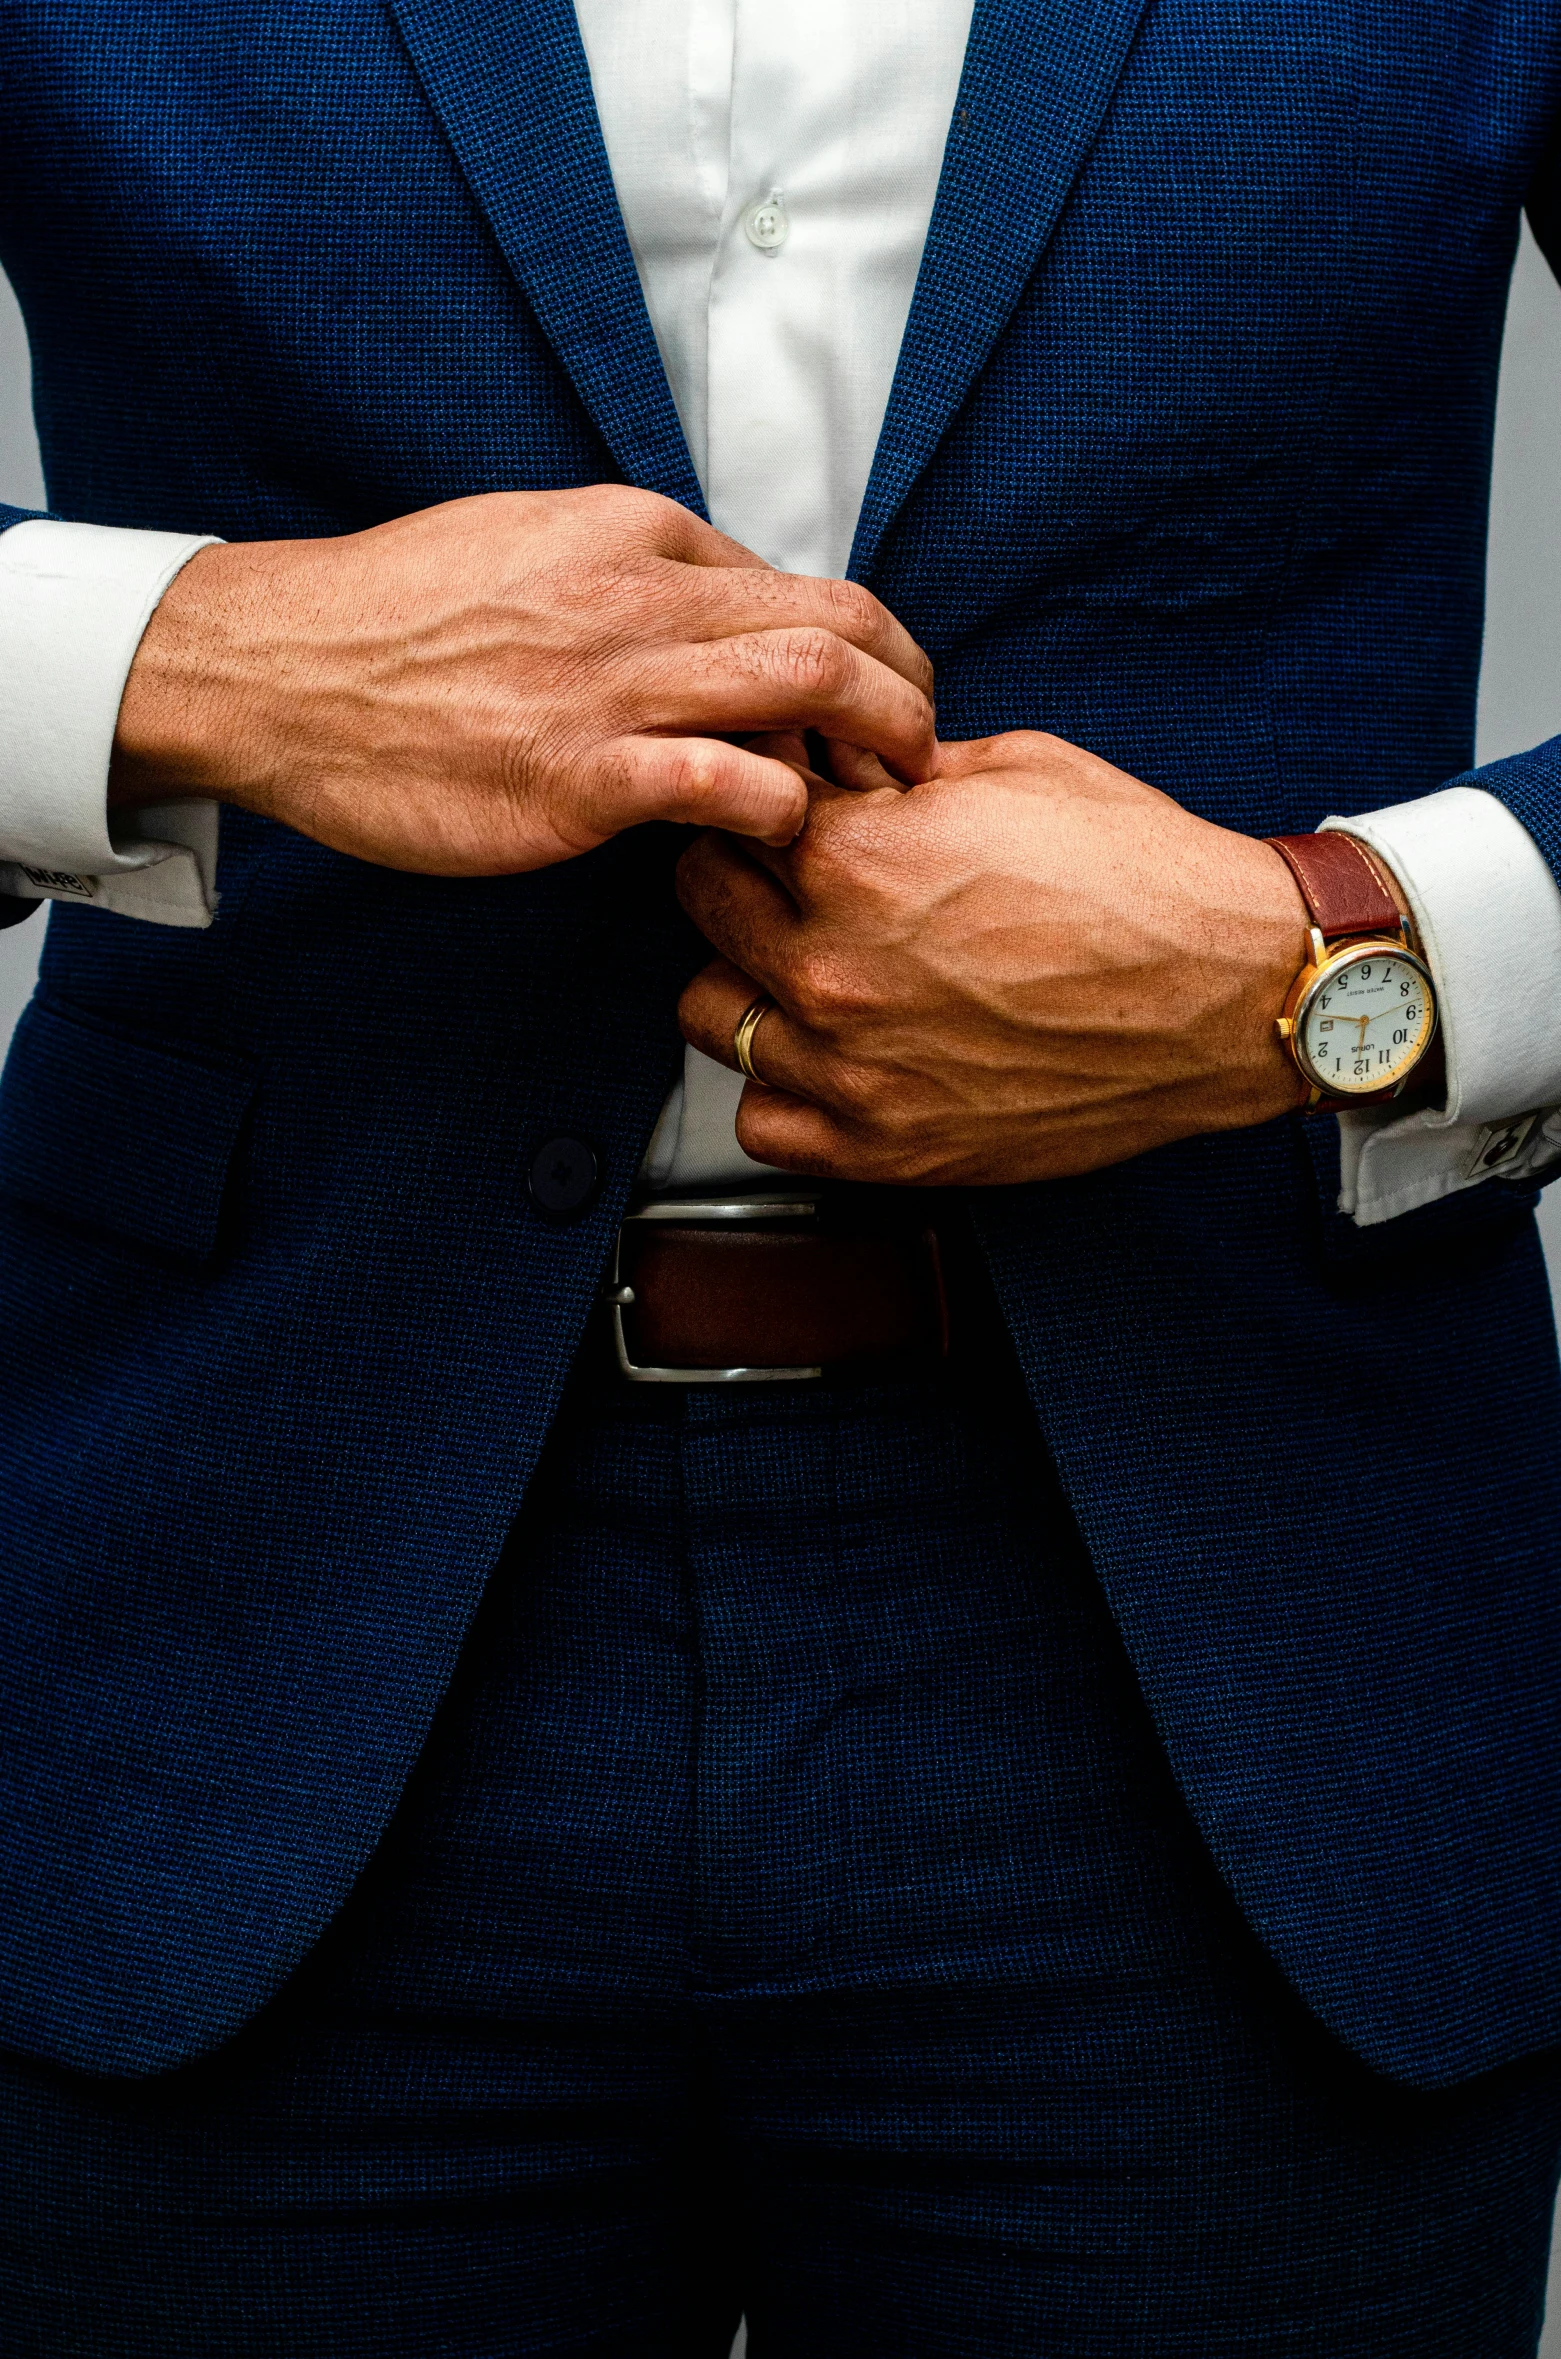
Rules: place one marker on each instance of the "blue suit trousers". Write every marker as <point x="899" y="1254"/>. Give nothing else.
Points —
<point x="791" y="1914"/>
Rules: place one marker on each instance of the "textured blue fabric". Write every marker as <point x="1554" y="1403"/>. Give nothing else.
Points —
<point x="1035" y="84"/>
<point x="1187" y="459"/>
<point x="513" y="92"/>
<point x="792" y="1913"/>
<point x="119" y="1135"/>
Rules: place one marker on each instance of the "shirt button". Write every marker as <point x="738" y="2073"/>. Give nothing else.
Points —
<point x="766" y="225"/>
<point x="562" y="1178"/>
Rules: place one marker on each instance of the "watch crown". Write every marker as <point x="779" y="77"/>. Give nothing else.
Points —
<point x="1284" y="1027"/>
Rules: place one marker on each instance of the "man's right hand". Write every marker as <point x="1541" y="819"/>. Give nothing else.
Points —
<point x="507" y="681"/>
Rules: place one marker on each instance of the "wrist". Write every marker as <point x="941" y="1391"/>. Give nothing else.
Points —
<point x="192" y="718"/>
<point x="1267" y="946"/>
<point x="1359" y="1022"/>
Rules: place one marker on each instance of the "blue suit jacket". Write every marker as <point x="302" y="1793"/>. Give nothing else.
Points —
<point x="1187" y="460"/>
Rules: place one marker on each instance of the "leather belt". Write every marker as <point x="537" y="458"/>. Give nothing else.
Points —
<point x="765" y="1289"/>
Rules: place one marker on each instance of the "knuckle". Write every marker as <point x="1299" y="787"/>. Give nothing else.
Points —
<point x="624" y="503"/>
<point x="602" y="508"/>
<point x="824" y="989"/>
<point x="855" y="611"/>
<point x="1035" y="746"/>
<point x="810" y="994"/>
<point x="817" y="662"/>
<point x="837" y="990"/>
<point x="690" y="776"/>
<point x="626" y="529"/>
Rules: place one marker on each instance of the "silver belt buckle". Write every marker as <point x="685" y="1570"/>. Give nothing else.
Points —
<point x="701" y="1212"/>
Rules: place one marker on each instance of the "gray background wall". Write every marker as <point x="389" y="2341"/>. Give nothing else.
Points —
<point x="1520" y="686"/>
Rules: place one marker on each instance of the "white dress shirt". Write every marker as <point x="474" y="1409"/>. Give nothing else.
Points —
<point x="776" y="168"/>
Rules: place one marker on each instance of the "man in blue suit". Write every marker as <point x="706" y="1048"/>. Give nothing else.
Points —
<point x="866" y="1632"/>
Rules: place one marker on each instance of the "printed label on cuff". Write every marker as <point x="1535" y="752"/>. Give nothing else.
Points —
<point x="59" y="884"/>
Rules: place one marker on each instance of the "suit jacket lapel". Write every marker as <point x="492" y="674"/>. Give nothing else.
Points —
<point x="1037" y="80"/>
<point x="509" y="82"/>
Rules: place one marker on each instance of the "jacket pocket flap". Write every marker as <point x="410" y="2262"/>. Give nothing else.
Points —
<point x="118" y="1134"/>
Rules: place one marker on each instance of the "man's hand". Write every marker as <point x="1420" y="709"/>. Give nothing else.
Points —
<point x="506" y="681"/>
<point x="1031" y="965"/>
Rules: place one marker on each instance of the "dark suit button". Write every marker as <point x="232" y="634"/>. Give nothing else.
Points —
<point x="563" y="1177"/>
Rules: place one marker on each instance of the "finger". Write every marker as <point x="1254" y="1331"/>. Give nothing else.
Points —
<point x="743" y="911"/>
<point x="783" y="745"/>
<point x="786" y="680"/>
<point x="768" y="601"/>
<point x="795" y="865"/>
<point x="796" y="1135"/>
<point x="790" y="1106"/>
<point x="713" y="1005"/>
<point x="853" y="767"/>
<point x="781" y="1053"/>
<point x="694" y="782"/>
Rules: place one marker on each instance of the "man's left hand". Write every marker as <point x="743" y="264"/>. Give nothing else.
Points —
<point x="1031" y="965"/>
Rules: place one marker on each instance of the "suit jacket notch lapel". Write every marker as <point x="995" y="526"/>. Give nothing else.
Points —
<point x="509" y="82"/>
<point x="1037" y="80"/>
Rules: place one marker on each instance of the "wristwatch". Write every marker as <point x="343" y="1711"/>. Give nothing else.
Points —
<point x="1361" y="1014"/>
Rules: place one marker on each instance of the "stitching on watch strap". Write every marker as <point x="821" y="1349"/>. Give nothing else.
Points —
<point x="1343" y="887"/>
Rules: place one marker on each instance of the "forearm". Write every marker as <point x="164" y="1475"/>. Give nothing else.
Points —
<point x="473" y="690"/>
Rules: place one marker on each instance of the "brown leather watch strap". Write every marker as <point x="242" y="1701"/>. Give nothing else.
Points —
<point x="1340" y="883"/>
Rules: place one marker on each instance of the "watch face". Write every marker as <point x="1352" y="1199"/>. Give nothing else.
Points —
<point x="1366" y="1021"/>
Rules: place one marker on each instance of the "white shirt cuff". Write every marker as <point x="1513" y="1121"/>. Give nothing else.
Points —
<point x="1488" y="913"/>
<point x="74" y="602"/>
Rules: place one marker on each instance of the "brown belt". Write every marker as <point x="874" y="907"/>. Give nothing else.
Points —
<point x="751" y="1290"/>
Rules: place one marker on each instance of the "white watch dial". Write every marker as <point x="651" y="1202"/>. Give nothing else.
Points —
<point x="1366" y="1022"/>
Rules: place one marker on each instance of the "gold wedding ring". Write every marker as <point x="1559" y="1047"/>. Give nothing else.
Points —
<point x="742" y="1039"/>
